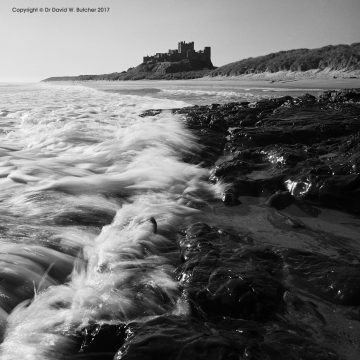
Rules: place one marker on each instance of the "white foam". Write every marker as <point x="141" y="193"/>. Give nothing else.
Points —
<point x="74" y="150"/>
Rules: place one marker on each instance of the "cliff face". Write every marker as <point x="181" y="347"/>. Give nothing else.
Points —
<point x="338" y="57"/>
<point x="184" y="69"/>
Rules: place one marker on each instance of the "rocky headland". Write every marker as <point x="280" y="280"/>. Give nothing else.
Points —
<point x="329" y="62"/>
<point x="181" y="63"/>
<point x="178" y="70"/>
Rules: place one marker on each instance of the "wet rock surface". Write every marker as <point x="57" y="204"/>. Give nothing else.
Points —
<point x="180" y="338"/>
<point x="224" y="278"/>
<point x="280" y="200"/>
<point x="308" y="146"/>
<point x="101" y="341"/>
<point x="242" y="305"/>
<point x="331" y="279"/>
<point x="245" y="300"/>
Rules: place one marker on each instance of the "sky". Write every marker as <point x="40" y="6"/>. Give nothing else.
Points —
<point x="37" y="45"/>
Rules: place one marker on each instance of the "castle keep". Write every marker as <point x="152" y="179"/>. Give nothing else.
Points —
<point x="184" y="51"/>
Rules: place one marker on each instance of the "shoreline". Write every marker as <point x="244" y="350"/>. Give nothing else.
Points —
<point x="289" y="167"/>
<point x="322" y="84"/>
<point x="277" y="81"/>
<point x="283" y="132"/>
<point x="210" y="228"/>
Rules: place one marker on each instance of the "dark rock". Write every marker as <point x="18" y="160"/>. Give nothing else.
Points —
<point x="151" y="112"/>
<point x="271" y="104"/>
<point x="230" y="197"/>
<point x="306" y="99"/>
<point x="333" y="280"/>
<point x="305" y="145"/>
<point x="179" y="338"/>
<point x="217" y="123"/>
<point x="288" y="156"/>
<point x="250" y="120"/>
<point x="102" y="340"/>
<point x="288" y="345"/>
<point x="260" y="186"/>
<point x="248" y="187"/>
<point x="153" y="221"/>
<point x="280" y="200"/>
<point x="336" y="191"/>
<point x="228" y="167"/>
<point x="341" y="95"/>
<point x="248" y="301"/>
<point x="225" y="278"/>
<point x="246" y="297"/>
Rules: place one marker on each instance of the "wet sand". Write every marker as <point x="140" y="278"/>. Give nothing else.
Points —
<point x="299" y="84"/>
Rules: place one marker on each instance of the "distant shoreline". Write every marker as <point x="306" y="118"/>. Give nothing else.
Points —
<point x="241" y="81"/>
<point x="311" y="83"/>
<point x="312" y="79"/>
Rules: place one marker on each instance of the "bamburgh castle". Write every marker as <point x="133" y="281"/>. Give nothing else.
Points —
<point x="184" y="51"/>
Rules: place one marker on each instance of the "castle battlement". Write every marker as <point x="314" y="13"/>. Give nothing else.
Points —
<point x="184" y="51"/>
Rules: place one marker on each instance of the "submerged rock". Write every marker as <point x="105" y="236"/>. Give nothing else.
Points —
<point x="154" y="223"/>
<point x="230" y="197"/>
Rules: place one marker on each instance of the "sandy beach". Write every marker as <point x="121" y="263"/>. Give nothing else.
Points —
<point x="310" y="83"/>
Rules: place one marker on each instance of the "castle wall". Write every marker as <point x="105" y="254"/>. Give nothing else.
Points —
<point x="184" y="51"/>
<point x="184" y="47"/>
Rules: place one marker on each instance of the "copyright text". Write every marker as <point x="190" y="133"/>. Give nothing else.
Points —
<point x="85" y="10"/>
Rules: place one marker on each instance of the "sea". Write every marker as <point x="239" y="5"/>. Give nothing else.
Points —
<point x="91" y="193"/>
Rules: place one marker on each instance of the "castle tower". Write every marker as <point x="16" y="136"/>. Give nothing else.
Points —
<point x="180" y="46"/>
<point x="207" y="53"/>
<point x="184" y="47"/>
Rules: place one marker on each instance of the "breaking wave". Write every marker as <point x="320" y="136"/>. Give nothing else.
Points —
<point x="92" y="194"/>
